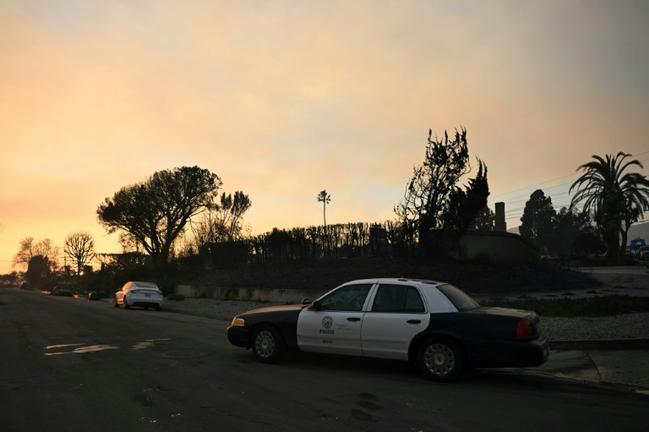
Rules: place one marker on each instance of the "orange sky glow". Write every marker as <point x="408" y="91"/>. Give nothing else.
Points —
<point x="284" y="99"/>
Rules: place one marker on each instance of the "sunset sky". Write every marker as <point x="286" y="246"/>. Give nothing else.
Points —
<point x="284" y="99"/>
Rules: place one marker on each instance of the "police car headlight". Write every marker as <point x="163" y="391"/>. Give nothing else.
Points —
<point x="237" y="322"/>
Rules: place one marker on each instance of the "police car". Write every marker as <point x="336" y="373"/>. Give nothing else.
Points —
<point x="433" y="324"/>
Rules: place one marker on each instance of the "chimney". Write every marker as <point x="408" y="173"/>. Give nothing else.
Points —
<point x="500" y="225"/>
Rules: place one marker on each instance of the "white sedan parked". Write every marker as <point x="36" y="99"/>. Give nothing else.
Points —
<point x="143" y="294"/>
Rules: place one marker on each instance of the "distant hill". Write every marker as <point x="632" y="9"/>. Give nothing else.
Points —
<point x="514" y="230"/>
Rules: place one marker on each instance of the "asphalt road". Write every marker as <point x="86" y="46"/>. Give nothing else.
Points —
<point x="143" y="370"/>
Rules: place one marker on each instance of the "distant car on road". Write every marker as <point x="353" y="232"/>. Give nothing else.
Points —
<point x="635" y="246"/>
<point x="61" y="290"/>
<point x="433" y="324"/>
<point x="643" y="253"/>
<point x="95" y="295"/>
<point x="142" y="294"/>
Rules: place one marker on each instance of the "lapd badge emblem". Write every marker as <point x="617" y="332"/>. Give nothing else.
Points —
<point x="327" y="323"/>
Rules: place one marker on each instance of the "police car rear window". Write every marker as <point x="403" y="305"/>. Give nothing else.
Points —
<point x="459" y="298"/>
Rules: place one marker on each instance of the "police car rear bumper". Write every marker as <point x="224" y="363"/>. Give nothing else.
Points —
<point x="239" y="336"/>
<point x="511" y="353"/>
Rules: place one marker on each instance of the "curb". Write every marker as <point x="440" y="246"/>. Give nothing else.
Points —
<point x="600" y="385"/>
<point x="600" y="344"/>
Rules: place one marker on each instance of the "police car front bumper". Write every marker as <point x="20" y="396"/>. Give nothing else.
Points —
<point x="239" y="336"/>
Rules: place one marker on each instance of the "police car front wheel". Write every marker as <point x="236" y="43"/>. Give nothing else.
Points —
<point x="267" y="344"/>
<point x="441" y="360"/>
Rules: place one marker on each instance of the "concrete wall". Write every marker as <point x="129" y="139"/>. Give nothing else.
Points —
<point x="250" y="294"/>
<point x="265" y="294"/>
<point x="496" y="247"/>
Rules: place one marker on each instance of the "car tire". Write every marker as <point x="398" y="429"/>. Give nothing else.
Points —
<point x="267" y="344"/>
<point x="158" y="308"/>
<point x="126" y="306"/>
<point x="441" y="359"/>
<point x="115" y="304"/>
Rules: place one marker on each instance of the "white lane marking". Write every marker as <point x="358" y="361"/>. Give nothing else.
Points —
<point x="142" y="345"/>
<point x="49" y="347"/>
<point x="84" y="349"/>
<point x="146" y="343"/>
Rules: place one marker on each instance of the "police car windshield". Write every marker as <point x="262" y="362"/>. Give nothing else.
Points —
<point x="461" y="300"/>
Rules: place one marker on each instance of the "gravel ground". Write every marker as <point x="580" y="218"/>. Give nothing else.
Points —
<point x="218" y="309"/>
<point x="634" y="325"/>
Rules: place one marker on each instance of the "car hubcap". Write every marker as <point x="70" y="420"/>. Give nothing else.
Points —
<point x="439" y="359"/>
<point x="265" y="344"/>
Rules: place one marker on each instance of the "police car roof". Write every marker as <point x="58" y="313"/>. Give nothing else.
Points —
<point x="395" y="281"/>
<point x="143" y="284"/>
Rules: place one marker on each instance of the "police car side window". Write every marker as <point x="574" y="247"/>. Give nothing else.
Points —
<point x="348" y="298"/>
<point x="413" y="303"/>
<point x="398" y="299"/>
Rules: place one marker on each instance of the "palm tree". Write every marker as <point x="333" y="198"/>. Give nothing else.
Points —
<point x="325" y="199"/>
<point x="616" y="198"/>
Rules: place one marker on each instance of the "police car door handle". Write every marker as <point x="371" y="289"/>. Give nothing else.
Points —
<point x="353" y="319"/>
<point x="414" y="321"/>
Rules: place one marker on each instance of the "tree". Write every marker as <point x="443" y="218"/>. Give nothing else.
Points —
<point x="484" y="220"/>
<point x="155" y="212"/>
<point x="80" y="248"/>
<point x="614" y="197"/>
<point x="428" y="191"/>
<point x="464" y="206"/>
<point x="30" y="248"/>
<point x="567" y="227"/>
<point x="223" y="221"/>
<point x="537" y="220"/>
<point x="325" y="199"/>
<point x="39" y="271"/>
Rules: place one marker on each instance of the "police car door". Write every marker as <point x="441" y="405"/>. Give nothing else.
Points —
<point x="333" y="323"/>
<point x="398" y="313"/>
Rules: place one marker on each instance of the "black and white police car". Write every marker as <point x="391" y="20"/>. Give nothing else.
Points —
<point x="433" y="324"/>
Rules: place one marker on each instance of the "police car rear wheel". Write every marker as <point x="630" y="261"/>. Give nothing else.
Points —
<point x="441" y="360"/>
<point x="267" y="344"/>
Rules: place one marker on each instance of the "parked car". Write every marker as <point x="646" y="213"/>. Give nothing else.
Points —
<point x="61" y="290"/>
<point x="142" y="294"/>
<point x="433" y="324"/>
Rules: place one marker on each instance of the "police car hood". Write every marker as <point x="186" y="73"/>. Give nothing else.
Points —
<point x="280" y="308"/>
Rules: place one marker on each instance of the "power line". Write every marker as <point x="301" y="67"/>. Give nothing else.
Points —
<point x="535" y="185"/>
<point x="575" y="174"/>
<point x="517" y="212"/>
<point x="527" y="199"/>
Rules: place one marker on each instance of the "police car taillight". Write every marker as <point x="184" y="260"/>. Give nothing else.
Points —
<point x="525" y="329"/>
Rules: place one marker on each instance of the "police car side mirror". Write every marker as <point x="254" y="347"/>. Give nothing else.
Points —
<point x="306" y="300"/>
